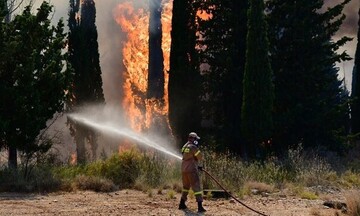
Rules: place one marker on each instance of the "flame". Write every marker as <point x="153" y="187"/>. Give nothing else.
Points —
<point x="205" y="15"/>
<point x="140" y="111"/>
<point x="125" y="146"/>
<point x="73" y="159"/>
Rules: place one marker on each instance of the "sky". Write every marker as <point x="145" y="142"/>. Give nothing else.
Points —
<point x="110" y="39"/>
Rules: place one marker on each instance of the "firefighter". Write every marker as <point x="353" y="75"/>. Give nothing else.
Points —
<point x="191" y="164"/>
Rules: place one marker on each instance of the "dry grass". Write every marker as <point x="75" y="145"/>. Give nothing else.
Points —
<point x="260" y="187"/>
<point x="353" y="203"/>
<point x="94" y="183"/>
<point x="315" y="212"/>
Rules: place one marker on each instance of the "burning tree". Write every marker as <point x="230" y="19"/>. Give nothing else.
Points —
<point x="84" y="57"/>
<point x="145" y="54"/>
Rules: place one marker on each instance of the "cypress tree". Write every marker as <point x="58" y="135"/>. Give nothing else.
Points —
<point x="84" y="57"/>
<point x="258" y="95"/>
<point x="184" y="77"/>
<point x="355" y="88"/>
<point x="156" y="59"/>
<point x="222" y="50"/>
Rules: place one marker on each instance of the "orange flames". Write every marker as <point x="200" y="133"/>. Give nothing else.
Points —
<point x="140" y="111"/>
<point x="204" y="15"/>
<point x="73" y="159"/>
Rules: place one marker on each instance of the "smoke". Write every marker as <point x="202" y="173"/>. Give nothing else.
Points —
<point x="110" y="45"/>
<point x="349" y="28"/>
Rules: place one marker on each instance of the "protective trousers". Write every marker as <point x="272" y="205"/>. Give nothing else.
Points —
<point x="191" y="180"/>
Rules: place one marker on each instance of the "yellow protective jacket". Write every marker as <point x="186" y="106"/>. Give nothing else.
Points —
<point x="191" y="156"/>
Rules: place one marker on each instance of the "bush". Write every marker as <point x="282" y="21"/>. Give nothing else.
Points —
<point x="307" y="167"/>
<point x="152" y="170"/>
<point x="123" y="169"/>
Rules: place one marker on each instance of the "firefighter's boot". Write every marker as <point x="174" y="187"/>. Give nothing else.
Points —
<point x="200" y="207"/>
<point x="182" y="205"/>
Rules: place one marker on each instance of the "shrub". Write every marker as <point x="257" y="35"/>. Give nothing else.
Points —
<point x="157" y="171"/>
<point x="13" y="181"/>
<point x="41" y="179"/>
<point x="307" y="167"/>
<point x="123" y="169"/>
<point x="171" y="194"/>
<point x="308" y="195"/>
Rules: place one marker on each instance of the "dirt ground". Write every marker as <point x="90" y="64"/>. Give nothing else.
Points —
<point x="131" y="202"/>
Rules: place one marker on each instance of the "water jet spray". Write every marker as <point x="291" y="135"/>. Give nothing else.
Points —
<point x="122" y="132"/>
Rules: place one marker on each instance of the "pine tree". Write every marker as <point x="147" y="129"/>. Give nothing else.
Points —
<point x="184" y="77"/>
<point x="355" y="88"/>
<point x="84" y="58"/>
<point x="258" y="86"/>
<point x="309" y="100"/>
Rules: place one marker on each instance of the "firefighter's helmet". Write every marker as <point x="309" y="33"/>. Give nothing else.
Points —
<point x="194" y="135"/>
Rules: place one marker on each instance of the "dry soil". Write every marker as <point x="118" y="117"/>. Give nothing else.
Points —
<point x="131" y="202"/>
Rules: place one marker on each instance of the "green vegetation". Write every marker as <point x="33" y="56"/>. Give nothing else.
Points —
<point x="148" y="172"/>
<point x="258" y="93"/>
<point x="34" y="78"/>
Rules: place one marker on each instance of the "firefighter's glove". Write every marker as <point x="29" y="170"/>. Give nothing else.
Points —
<point x="200" y="168"/>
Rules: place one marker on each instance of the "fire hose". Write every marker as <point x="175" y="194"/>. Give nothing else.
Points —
<point x="217" y="182"/>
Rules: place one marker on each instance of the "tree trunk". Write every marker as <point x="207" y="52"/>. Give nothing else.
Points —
<point x="12" y="160"/>
<point x="80" y="145"/>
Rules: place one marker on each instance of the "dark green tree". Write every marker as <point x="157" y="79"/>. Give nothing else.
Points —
<point x="2" y="56"/>
<point x="222" y="56"/>
<point x="257" y="122"/>
<point x="34" y="77"/>
<point x="355" y="88"/>
<point x="310" y="103"/>
<point x="184" y="76"/>
<point x="84" y="58"/>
